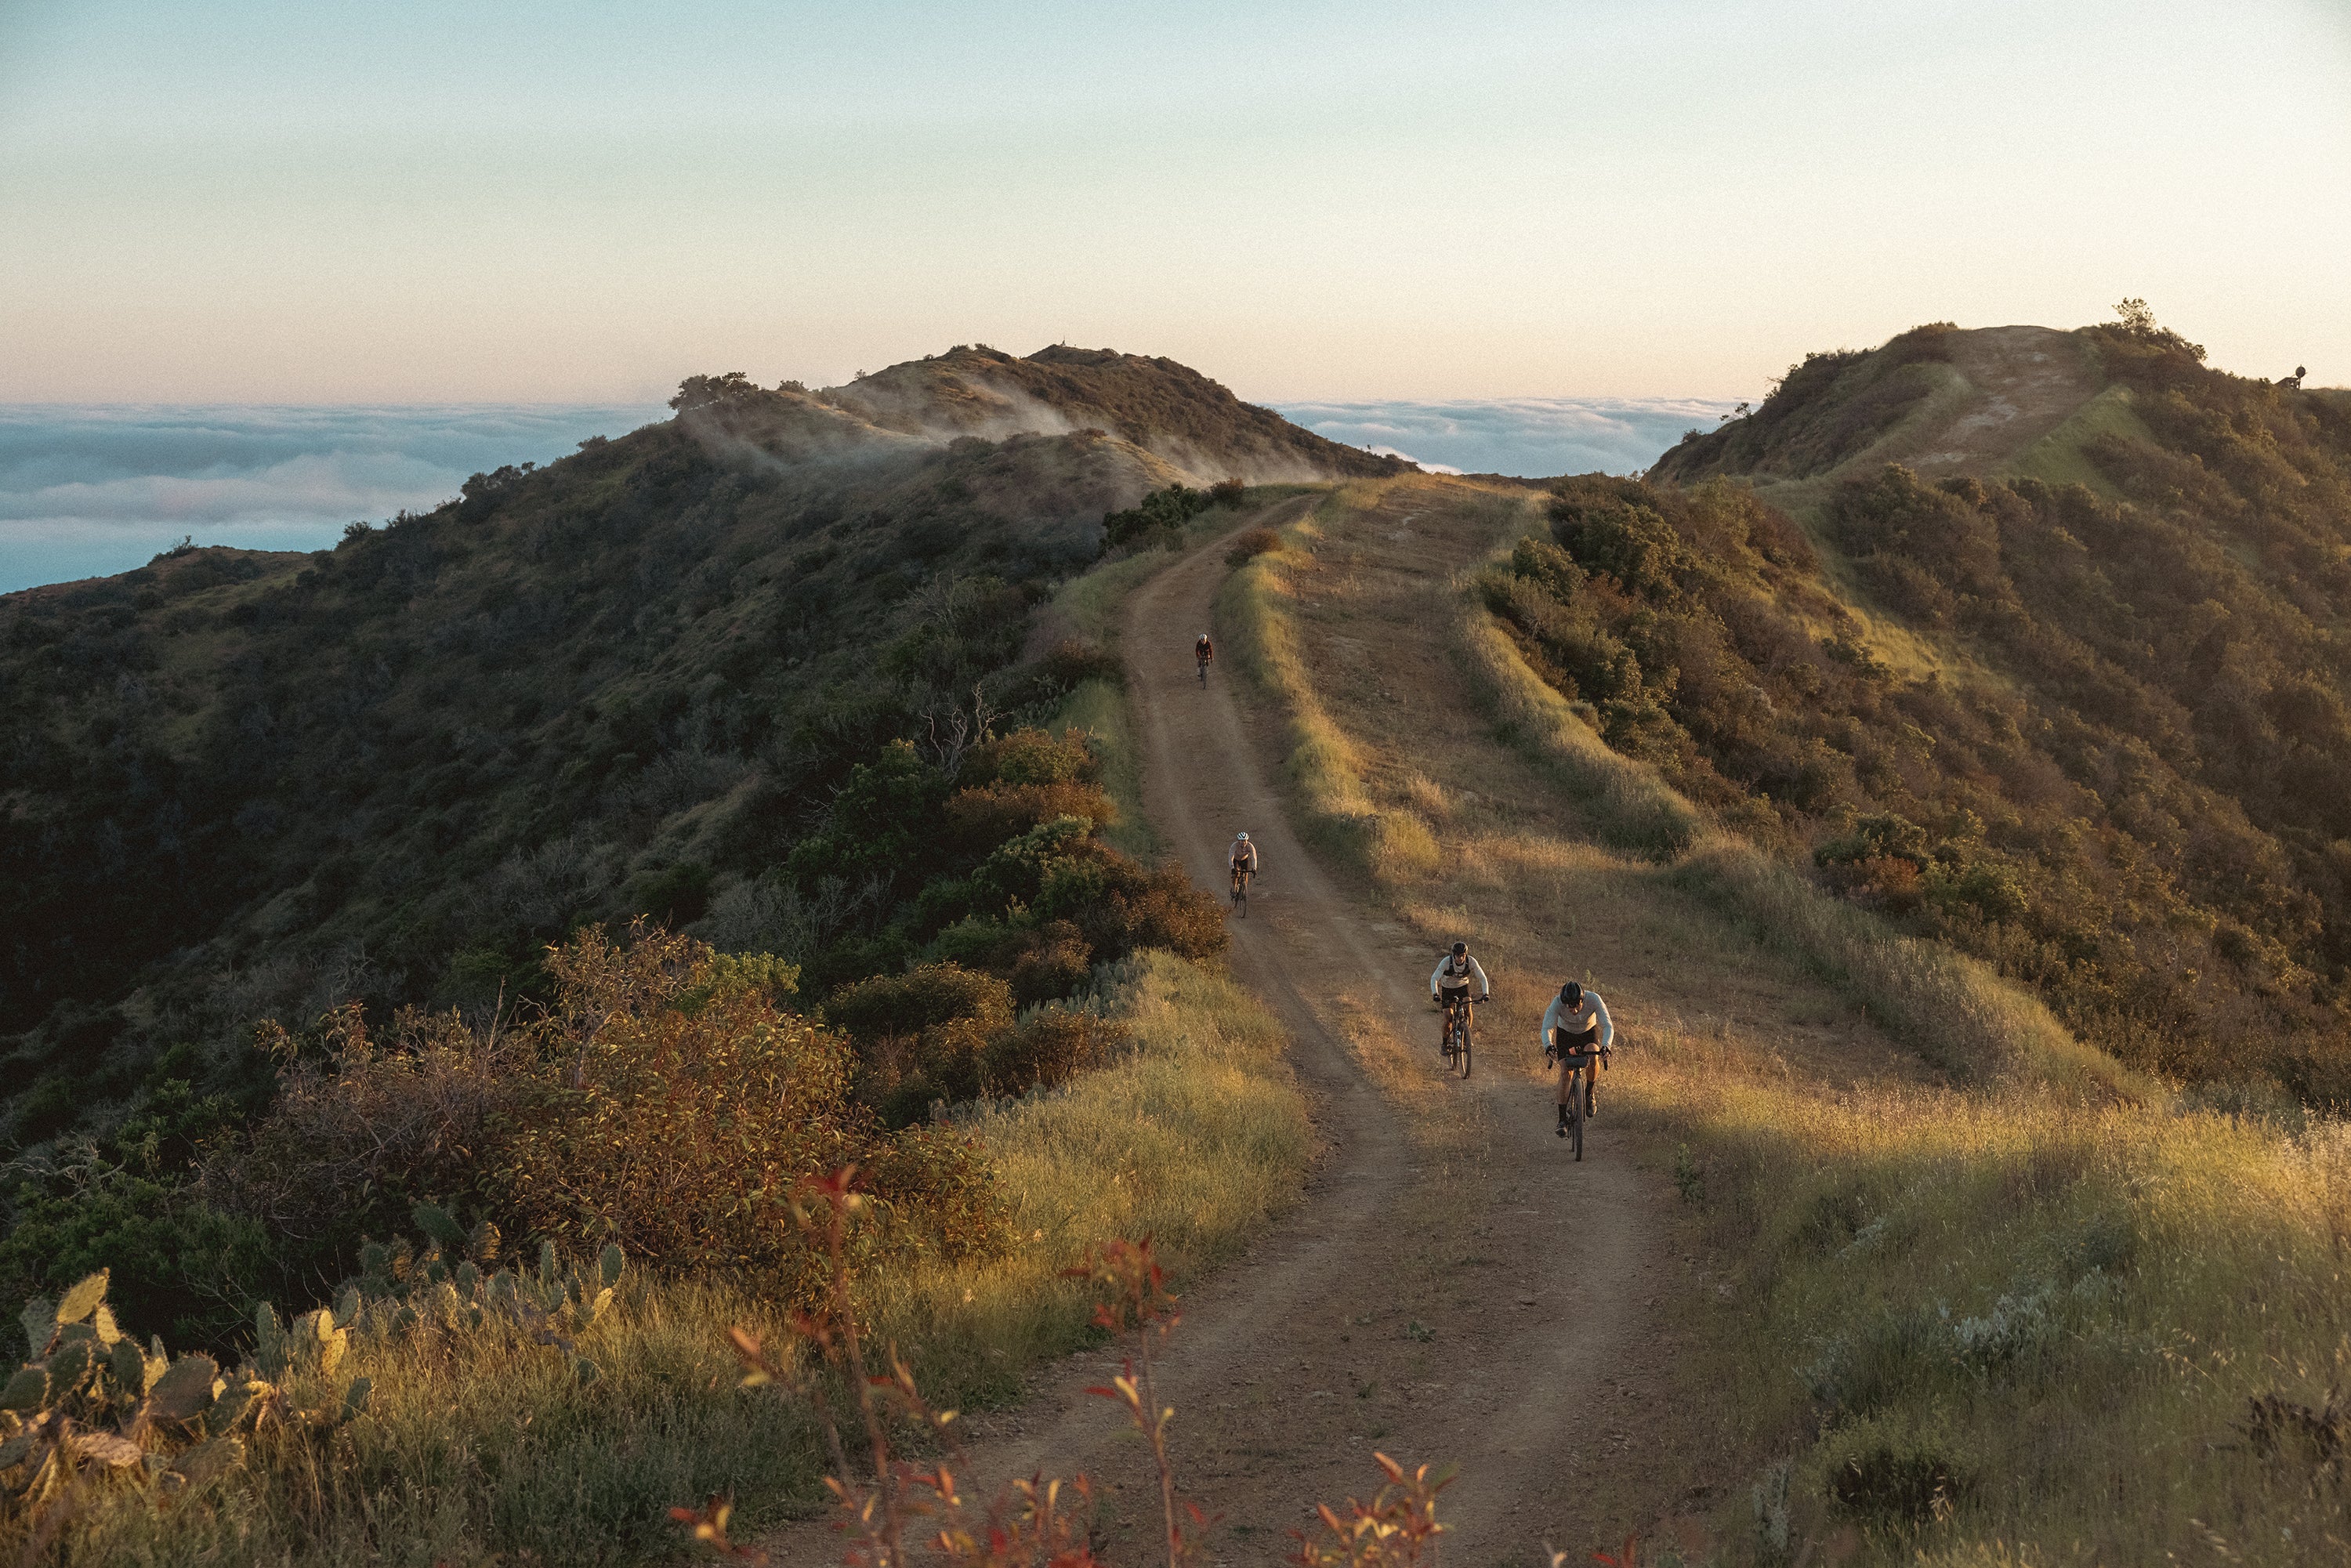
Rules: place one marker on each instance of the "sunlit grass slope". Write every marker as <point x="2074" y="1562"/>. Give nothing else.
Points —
<point x="1961" y="1327"/>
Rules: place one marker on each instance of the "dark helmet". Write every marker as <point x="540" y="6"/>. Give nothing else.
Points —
<point x="1460" y="949"/>
<point x="1571" y="994"/>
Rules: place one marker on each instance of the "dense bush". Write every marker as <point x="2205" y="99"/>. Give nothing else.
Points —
<point x="1251" y="545"/>
<point x="661" y="1101"/>
<point x="1158" y="517"/>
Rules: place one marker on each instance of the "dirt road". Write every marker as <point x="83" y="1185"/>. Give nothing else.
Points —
<point x="1485" y="1265"/>
<point x="1450" y="1291"/>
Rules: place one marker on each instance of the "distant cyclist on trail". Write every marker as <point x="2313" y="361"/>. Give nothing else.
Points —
<point x="1204" y="651"/>
<point x="1450" y="983"/>
<point x="1576" y="1020"/>
<point x="1244" y="855"/>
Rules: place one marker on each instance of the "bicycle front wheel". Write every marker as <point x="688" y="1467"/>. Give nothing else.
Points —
<point x="1467" y="1035"/>
<point x="1575" y="1119"/>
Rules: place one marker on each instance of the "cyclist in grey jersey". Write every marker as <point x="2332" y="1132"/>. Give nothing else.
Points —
<point x="1577" y="1019"/>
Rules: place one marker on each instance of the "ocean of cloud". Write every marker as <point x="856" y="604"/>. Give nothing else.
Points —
<point x="1534" y="437"/>
<point x="90" y="491"/>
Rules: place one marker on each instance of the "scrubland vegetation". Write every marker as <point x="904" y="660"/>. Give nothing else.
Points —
<point x="621" y="846"/>
<point x="2126" y="789"/>
<point x="482" y="1435"/>
<point x="2054" y="1313"/>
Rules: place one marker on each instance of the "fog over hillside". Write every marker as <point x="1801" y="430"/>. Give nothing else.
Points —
<point x="92" y="489"/>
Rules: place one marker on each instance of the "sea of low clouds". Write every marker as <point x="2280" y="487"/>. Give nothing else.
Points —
<point x="1531" y="437"/>
<point x="91" y="491"/>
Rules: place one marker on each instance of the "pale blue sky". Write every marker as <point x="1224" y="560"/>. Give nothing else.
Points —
<point x="582" y="202"/>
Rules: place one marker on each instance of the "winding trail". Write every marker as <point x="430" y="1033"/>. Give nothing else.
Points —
<point x="1416" y="1302"/>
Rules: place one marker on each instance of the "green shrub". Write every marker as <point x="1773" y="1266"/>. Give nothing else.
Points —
<point x="1162" y="514"/>
<point x="662" y="1102"/>
<point x="921" y="1035"/>
<point x="682" y="1135"/>
<point x="1049" y="1047"/>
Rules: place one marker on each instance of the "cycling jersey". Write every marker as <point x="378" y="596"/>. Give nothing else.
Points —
<point x="1454" y="973"/>
<point x="1591" y="1014"/>
<point x="1244" y="855"/>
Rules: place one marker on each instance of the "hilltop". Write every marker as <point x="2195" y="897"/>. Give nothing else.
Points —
<point x="2031" y="640"/>
<point x="1170" y="411"/>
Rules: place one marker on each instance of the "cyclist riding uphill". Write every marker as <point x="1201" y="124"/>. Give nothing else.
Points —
<point x="1576" y="1020"/>
<point x="1244" y="855"/>
<point x="1204" y="650"/>
<point x="1450" y="983"/>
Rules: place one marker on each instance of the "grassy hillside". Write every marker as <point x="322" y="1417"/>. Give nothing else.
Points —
<point x="2095" y="734"/>
<point x="768" y="674"/>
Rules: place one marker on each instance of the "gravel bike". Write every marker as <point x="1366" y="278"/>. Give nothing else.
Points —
<point x="1578" y="1060"/>
<point x="1459" y="1033"/>
<point x="1241" y="877"/>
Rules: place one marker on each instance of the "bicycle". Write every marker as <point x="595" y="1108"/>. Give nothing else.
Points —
<point x="1578" y="1062"/>
<point x="1203" y="674"/>
<point x="1242" y="875"/>
<point x="1459" y="1034"/>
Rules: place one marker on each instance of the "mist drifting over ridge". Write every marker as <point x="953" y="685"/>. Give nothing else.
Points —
<point x="87" y="490"/>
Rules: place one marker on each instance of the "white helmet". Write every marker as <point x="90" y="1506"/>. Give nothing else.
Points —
<point x="1243" y="839"/>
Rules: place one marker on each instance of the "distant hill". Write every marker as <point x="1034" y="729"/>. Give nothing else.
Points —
<point x="235" y="784"/>
<point x="1168" y="410"/>
<point x="1937" y="399"/>
<point x="2039" y="642"/>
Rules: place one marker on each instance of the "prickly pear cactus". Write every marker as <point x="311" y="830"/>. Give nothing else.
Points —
<point x="444" y="1290"/>
<point x="92" y="1402"/>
